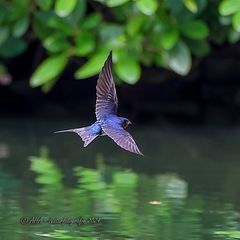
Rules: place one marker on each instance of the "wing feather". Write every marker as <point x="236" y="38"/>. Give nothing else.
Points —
<point x="107" y="101"/>
<point x="122" y="138"/>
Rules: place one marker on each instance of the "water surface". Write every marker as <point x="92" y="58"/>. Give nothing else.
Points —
<point x="186" y="186"/>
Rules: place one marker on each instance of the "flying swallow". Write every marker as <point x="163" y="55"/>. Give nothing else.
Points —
<point x="108" y="123"/>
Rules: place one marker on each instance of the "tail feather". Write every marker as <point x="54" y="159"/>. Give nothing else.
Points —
<point x="85" y="133"/>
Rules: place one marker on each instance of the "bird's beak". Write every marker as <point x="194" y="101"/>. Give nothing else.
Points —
<point x="130" y="122"/>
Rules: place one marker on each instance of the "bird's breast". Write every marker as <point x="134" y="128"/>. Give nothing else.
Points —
<point x="113" y="121"/>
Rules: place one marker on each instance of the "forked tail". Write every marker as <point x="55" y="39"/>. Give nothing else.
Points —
<point x="85" y="133"/>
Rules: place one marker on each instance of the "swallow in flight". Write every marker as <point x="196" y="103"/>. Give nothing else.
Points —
<point x="108" y="123"/>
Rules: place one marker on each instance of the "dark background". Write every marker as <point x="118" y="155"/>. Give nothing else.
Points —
<point x="209" y="93"/>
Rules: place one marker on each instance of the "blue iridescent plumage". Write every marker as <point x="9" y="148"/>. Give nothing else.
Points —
<point x="108" y="123"/>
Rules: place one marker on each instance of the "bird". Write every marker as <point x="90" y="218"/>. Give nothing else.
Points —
<point x="107" y="121"/>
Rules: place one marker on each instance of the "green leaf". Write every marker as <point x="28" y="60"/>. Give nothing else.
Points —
<point x="202" y="4"/>
<point x="127" y="67"/>
<point x="20" y="27"/>
<point x="233" y="36"/>
<point x="3" y="70"/>
<point x="179" y="59"/>
<point x="199" y="48"/>
<point x="12" y="47"/>
<point x="85" y="43"/>
<point x="4" y="33"/>
<point x="191" y="5"/>
<point x="169" y="38"/>
<point x="112" y="35"/>
<point x="180" y="12"/>
<point x="195" y="29"/>
<point x="46" y="87"/>
<point x="63" y="8"/>
<point x="44" y="4"/>
<point x="115" y="3"/>
<point x="56" y="43"/>
<point x="134" y="24"/>
<point x="147" y="58"/>
<point x="49" y="69"/>
<point x="19" y="9"/>
<point x="41" y="29"/>
<point x="228" y="7"/>
<point x="92" y="21"/>
<point x="148" y="7"/>
<point x="175" y="7"/>
<point x="77" y="14"/>
<point x="236" y="21"/>
<point x="60" y="24"/>
<point x="93" y="66"/>
<point x="159" y="59"/>
<point x="225" y="20"/>
<point x="110" y="31"/>
<point x="135" y="43"/>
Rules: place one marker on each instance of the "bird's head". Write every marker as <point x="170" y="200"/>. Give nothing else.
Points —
<point x="125" y="122"/>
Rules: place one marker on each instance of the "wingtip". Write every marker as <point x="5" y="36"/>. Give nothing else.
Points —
<point x="63" y="131"/>
<point x="107" y="63"/>
<point x="110" y="56"/>
<point x="137" y="151"/>
<point x="140" y="153"/>
<point x="57" y="132"/>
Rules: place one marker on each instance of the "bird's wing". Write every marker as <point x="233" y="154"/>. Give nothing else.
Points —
<point x="122" y="138"/>
<point x="107" y="101"/>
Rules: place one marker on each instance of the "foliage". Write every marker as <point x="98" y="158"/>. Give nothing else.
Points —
<point x="165" y="33"/>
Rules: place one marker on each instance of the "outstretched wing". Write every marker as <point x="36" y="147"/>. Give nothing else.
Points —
<point x="107" y="101"/>
<point x="122" y="138"/>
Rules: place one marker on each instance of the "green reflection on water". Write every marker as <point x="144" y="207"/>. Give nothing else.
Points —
<point x="187" y="189"/>
<point x="229" y="234"/>
<point x="121" y="199"/>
